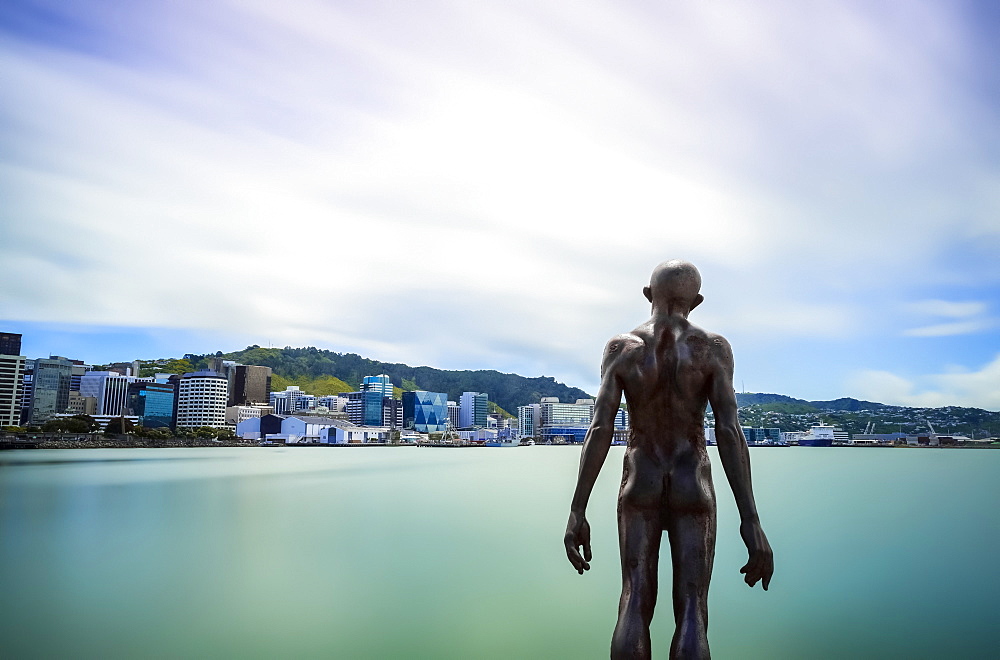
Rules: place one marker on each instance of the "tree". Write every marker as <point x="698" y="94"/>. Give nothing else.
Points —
<point x="119" y="425"/>
<point x="206" y="432"/>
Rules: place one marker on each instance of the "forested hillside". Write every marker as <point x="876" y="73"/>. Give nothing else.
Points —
<point x="319" y="371"/>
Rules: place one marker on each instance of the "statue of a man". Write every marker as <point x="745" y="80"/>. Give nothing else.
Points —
<point x="669" y="369"/>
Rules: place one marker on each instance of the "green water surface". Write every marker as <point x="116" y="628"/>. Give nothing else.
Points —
<point x="457" y="553"/>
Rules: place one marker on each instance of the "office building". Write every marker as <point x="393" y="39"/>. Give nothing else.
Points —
<point x="11" y="380"/>
<point x="371" y="408"/>
<point x="425" y="412"/>
<point x="50" y="381"/>
<point x="238" y="414"/>
<point x="528" y="420"/>
<point x="454" y="414"/>
<point x="287" y="401"/>
<point x="576" y="414"/>
<point x="249" y="384"/>
<point x="151" y="403"/>
<point x="109" y="388"/>
<point x="10" y="343"/>
<point x="474" y="406"/>
<point x="380" y="384"/>
<point x="201" y="399"/>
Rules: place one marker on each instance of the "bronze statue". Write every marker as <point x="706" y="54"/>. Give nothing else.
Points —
<point x="668" y="369"/>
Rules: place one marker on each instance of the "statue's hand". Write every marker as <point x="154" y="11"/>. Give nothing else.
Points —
<point x="760" y="566"/>
<point x="577" y="536"/>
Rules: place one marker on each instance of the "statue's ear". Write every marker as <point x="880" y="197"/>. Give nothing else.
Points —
<point x="646" y="291"/>
<point x="698" y="299"/>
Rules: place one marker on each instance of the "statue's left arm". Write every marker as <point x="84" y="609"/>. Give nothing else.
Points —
<point x="736" y="462"/>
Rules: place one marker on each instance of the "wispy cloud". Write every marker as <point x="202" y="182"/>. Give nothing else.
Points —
<point x="379" y="177"/>
<point x="980" y="389"/>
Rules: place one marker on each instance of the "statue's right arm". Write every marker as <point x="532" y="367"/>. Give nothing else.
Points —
<point x="595" y="450"/>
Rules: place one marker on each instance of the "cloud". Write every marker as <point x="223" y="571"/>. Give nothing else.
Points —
<point x="949" y="329"/>
<point x="966" y="311"/>
<point x="977" y="389"/>
<point x="469" y="186"/>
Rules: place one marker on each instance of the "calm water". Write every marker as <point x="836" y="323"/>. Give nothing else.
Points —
<point x="434" y="553"/>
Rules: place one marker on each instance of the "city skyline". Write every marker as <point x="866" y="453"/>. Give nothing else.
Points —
<point x="489" y="188"/>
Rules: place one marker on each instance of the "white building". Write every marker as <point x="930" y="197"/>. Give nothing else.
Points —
<point x="109" y="389"/>
<point x="11" y="378"/>
<point x="201" y="400"/>
<point x="454" y="414"/>
<point x="529" y="420"/>
<point x="288" y="401"/>
<point x="237" y="414"/>
<point x="339" y="435"/>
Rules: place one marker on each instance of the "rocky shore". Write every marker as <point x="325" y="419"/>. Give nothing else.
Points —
<point x="131" y="442"/>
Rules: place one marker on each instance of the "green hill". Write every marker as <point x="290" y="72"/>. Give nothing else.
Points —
<point x="318" y="371"/>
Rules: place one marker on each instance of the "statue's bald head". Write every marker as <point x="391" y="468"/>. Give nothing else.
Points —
<point x="674" y="285"/>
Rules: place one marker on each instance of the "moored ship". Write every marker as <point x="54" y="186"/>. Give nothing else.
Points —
<point x="818" y="436"/>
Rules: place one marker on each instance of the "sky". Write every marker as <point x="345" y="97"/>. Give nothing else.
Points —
<point x="489" y="185"/>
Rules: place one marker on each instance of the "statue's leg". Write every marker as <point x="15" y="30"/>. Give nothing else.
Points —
<point x="691" y="531"/>
<point x="639" y="532"/>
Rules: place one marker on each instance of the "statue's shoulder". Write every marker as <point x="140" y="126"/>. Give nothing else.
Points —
<point x="719" y="345"/>
<point x="623" y="344"/>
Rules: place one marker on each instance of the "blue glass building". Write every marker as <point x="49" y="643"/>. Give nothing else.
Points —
<point x="425" y="412"/>
<point x="371" y="403"/>
<point x="152" y="403"/>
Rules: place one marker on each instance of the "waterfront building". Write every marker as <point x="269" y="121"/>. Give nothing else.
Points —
<point x="425" y="412"/>
<point x="11" y="380"/>
<point x="152" y="404"/>
<point x="528" y="420"/>
<point x="109" y="389"/>
<point x="474" y="407"/>
<point x="201" y="399"/>
<point x="290" y="429"/>
<point x="250" y="384"/>
<point x="454" y="414"/>
<point x="50" y="382"/>
<point x="381" y="384"/>
<point x="372" y="408"/>
<point x="762" y="436"/>
<point x="576" y="414"/>
<point x="339" y="435"/>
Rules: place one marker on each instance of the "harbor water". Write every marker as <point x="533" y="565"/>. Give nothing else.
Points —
<point x="457" y="553"/>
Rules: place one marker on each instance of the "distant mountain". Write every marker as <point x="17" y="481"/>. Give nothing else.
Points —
<point x="322" y="369"/>
<point x="845" y="403"/>
<point x="854" y="416"/>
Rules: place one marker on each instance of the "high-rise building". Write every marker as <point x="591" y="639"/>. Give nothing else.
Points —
<point x="10" y="343"/>
<point x="380" y="384"/>
<point x="201" y="399"/>
<point x="50" y="383"/>
<point x="249" y="384"/>
<point x="11" y="378"/>
<point x="425" y="412"/>
<point x="152" y="403"/>
<point x="528" y="420"/>
<point x="454" y="414"/>
<point x="474" y="408"/>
